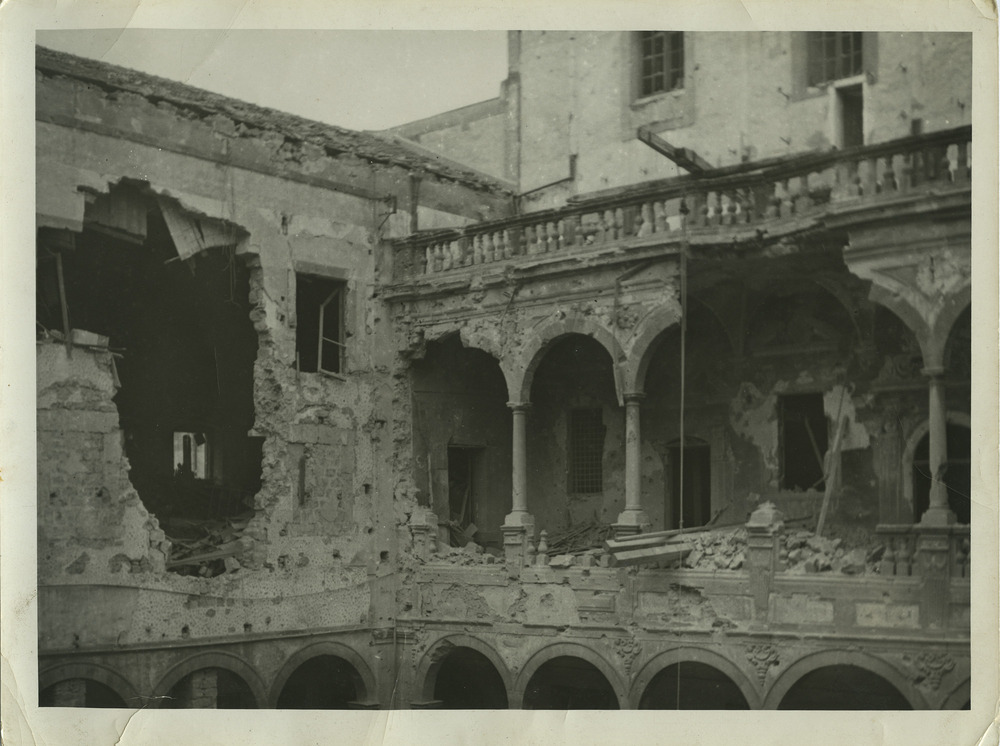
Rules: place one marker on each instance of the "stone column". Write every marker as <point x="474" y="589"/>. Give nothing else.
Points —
<point x="633" y="518"/>
<point x="938" y="513"/>
<point x="519" y="524"/>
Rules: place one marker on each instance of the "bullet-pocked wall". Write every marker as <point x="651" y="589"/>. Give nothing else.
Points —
<point x="740" y="97"/>
<point x="259" y="230"/>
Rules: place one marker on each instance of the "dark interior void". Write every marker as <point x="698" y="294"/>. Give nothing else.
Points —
<point x="185" y="350"/>
<point x="462" y="438"/>
<point x="804" y="440"/>
<point x="467" y="680"/>
<point x="201" y="688"/>
<point x="576" y="436"/>
<point x="852" y="125"/>
<point x="569" y="683"/>
<point x="696" y="496"/>
<point x="86" y="693"/>
<point x="957" y="477"/>
<point x="325" y="682"/>
<point x="465" y="484"/>
<point x="843" y="688"/>
<point x="692" y="686"/>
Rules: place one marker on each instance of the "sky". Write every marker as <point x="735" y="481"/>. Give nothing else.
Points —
<point x="356" y="79"/>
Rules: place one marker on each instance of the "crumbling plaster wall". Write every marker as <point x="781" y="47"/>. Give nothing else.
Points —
<point x="577" y="98"/>
<point x="288" y="205"/>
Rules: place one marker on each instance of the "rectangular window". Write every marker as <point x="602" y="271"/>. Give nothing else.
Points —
<point x="834" y="55"/>
<point x="586" y="451"/>
<point x="804" y="441"/>
<point x="661" y="61"/>
<point x="319" y="313"/>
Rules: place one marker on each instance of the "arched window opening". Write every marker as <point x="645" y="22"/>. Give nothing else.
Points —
<point x="211" y="688"/>
<point x="325" y="682"/>
<point x="690" y="685"/>
<point x="79" y="693"/>
<point x="843" y="688"/>
<point x="957" y="477"/>
<point x="569" y="683"/>
<point x="467" y="680"/>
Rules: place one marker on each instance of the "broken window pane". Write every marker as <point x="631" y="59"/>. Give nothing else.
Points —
<point x="319" y="310"/>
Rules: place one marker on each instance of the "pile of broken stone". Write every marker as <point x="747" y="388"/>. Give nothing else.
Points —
<point x="805" y="552"/>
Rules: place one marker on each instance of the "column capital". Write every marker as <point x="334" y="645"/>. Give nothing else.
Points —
<point x="935" y="371"/>
<point x="633" y="397"/>
<point x="519" y="406"/>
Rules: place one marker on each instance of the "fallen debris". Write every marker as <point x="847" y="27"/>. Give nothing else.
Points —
<point x="205" y="548"/>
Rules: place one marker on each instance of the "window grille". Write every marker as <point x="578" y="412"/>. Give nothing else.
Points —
<point x="661" y="59"/>
<point x="586" y="451"/>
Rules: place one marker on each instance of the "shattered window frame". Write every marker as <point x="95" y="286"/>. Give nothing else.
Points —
<point x="313" y="309"/>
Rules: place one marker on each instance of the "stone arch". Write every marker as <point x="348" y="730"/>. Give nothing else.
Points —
<point x="520" y="370"/>
<point x="669" y="658"/>
<point x="814" y="661"/>
<point x="909" y="449"/>
<point x="644" y="344"/>
<point x="931" y="338"/>
<point x="95" y="672"/>
<point x="362" y="678"/>
<point x="228" y="661"/>
<point x="945" y="320"/>
<point x="434" y="657"/>
<point x="958" y="696"/>
<point x="572" y="650"/>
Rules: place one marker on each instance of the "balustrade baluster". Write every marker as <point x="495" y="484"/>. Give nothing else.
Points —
<point x="552" y="233"/>
<point x="608" y="223"/>
<point x="889" y="183"/>
<point x="530" y="247"/>
<point x="961" y="175"/>
<point x="446" y="257"/>
<point x="904" y="556"/>
<point x="438" y="257"/>
<point x="542" y="556"/>
<point x="500" y="245"/>
<point x="887" y="565"/>
<point x="571" y="227"/>
<point x="487" y="239"/>
<point x="644" y="220"/>
<point x="477" y="250"/>
<point x="515" y="241"/>
<point x="620" y="225"/>
<point x="659" y="217"/>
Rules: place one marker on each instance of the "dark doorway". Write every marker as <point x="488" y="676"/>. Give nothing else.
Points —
<point x="692" y="686"/>
<point x="569" y="683"/>
<point x="852" y="123"/>
<point x="803" y="441"/>
<point x="464" y="489"/>
<point x="843" y="688"/>
<point x="467" y="680"/>
<point x="697" y="493"/>
<point x="325" y="682"/>
<point x="79" y="693"/>
<point x="957" y="477"/>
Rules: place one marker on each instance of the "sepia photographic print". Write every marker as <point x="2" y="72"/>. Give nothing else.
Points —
<point x="486" y="370"/>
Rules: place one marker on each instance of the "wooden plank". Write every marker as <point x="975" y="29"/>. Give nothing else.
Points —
<point x="683" y="157"/>
<point x="832" y="468"/>
<point x="651" y="555"/>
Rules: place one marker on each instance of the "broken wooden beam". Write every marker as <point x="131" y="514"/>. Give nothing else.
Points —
<point x="683" y="157"/>
<point x="651" y="555"/>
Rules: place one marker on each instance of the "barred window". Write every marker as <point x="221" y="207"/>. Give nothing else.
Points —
<point x="586" y="450"/>
<point x="834" y="55"/>
<point x="661" y="61"/>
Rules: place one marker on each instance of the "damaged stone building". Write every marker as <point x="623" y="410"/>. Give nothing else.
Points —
<point x="643" y="385"/>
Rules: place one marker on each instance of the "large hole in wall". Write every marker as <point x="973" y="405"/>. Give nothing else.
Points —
<point x="184" y="349"/>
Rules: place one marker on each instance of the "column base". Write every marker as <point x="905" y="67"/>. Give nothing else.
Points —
<point x="630" y="522"/>
<point x="515" y="543"/>
<point x="937" y="516"/>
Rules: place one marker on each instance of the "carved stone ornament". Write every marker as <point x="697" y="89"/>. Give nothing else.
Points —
<point x="762" y="658"/>
<point x="628" y="649"/>
<point x="931" y="667"/>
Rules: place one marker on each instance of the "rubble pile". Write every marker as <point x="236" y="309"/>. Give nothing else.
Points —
<point x="206" y="548"/>
<point x="717" y="550"/>
<point x="470" y="554"/>
<point x="579" y="539"/>
<point x="804" y="552"/>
